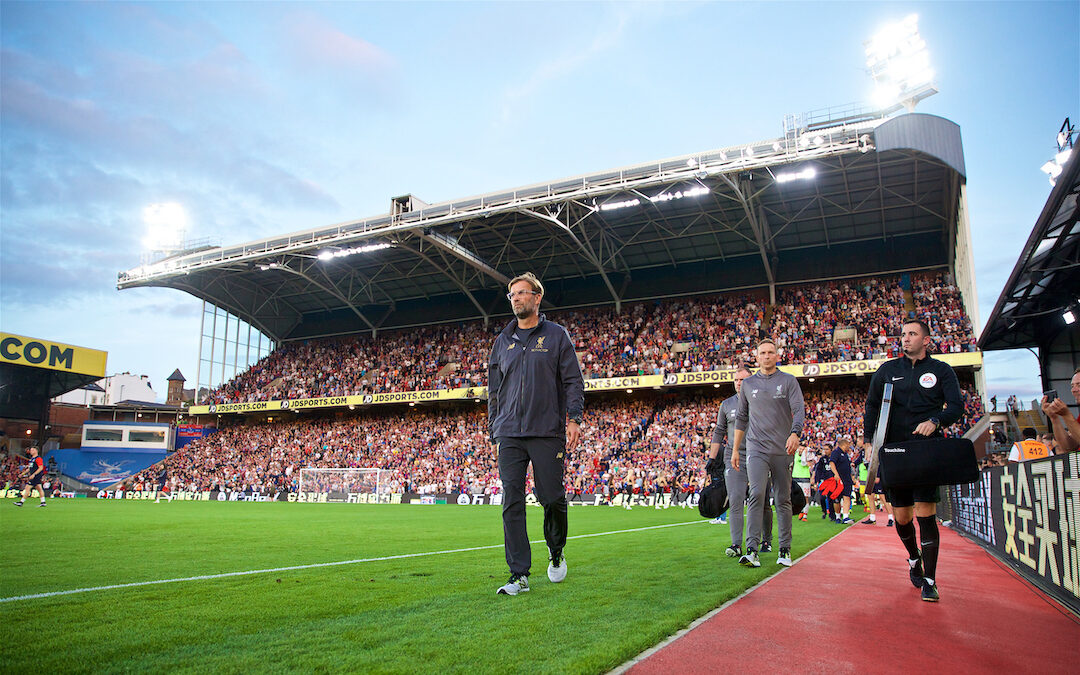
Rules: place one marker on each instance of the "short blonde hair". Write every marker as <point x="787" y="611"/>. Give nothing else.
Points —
<point x="529" y="277"/>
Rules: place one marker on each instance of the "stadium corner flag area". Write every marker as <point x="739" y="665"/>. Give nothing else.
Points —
<point x="690" y="414"/>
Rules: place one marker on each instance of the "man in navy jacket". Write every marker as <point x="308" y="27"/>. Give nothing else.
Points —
<point x="535" y="400"/>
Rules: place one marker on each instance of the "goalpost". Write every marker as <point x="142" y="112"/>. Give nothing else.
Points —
<point x="365" y="481"/>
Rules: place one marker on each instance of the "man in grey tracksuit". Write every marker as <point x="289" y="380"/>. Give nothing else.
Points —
<point x="535" y="401"/>
<point x="770" y="419"/>
<point x="734" y="479"/>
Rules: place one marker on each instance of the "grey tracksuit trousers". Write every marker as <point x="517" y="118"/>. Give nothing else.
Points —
<point x="736" y="483"/>
<point x="760" y="468"/>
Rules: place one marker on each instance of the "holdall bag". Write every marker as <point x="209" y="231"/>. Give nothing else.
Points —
<point x="798" y="497"/>
<point x="713" y="501"/>
<point x="929" y="462"/>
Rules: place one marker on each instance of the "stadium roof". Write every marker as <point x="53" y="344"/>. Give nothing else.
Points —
<point x="864" y="197"/>
<point x="1046" y="280"/>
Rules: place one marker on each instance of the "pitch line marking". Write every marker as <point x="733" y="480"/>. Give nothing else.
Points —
<point x="203" y="577"/>
<point x="625" y="667"/>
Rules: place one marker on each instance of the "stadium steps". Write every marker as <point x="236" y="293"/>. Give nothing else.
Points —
<point x="451" y="367"/>
<point x="1030" y="418"/>
<point x="766" y="320"/>
<point x="909" y="302"/>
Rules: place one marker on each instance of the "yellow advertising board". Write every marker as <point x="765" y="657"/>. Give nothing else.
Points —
<point x="629" y="382"/>
<point x="807" y="370"/>
<point x="37" y="353"/>
<point x="341" y="401"/>
<point x="727" y="375"/>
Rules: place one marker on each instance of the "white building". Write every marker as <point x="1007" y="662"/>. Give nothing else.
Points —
<point x="112" y="390"/>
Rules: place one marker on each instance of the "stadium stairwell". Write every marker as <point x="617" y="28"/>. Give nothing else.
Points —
<point x="766" y="320"/>
<point x="1030" y="418"/>
<point x="448" y="368"/>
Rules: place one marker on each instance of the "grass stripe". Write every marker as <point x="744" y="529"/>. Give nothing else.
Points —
<point x="205" y="577"/>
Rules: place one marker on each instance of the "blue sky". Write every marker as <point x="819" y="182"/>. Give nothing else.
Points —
<point x="264" y="118"/>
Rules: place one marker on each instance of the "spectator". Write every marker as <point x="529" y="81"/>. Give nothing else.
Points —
<point x="1066" y="428"/>
<point x="1028" y="448"/>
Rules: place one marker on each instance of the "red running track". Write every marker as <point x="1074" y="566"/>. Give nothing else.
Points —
<point x="849" y="607"/>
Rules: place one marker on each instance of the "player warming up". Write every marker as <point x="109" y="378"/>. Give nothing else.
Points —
<point x="535" y="399"/>
<point x="926" y="399"/>
<point x="36" y="471"/>
<point x="770" y="419"/>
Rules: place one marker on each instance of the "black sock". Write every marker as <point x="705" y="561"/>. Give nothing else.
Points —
<point x="929" y="538"/>
<point x="907" y="535"/>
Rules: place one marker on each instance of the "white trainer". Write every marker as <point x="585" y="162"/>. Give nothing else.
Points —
<point x="557" y="568"/>
<point x="519" y="583"/>
<point x="784" y="558"/>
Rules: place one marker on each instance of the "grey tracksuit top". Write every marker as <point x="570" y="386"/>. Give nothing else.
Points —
<point x="724" y="431"/>
<point x="771" y="408"/>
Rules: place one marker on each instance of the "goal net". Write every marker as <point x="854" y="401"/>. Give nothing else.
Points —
<point x="364" y="481"/>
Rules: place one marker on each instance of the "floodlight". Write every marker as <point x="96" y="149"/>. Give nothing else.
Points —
<point x="1062" y="157"/>
<point x="611" y="206"/>
<point x="691" y="163"/>
<point x="806" y="174"/>
<point x="776" y="146"/>
<point x="679" y="194"/>
<point x="1069" y="317"/>
<point x="723" y="156"/>
<point x="899" y="64"/>
<point x="165" y="225"/>
<point x="1051" y="168"/>
<point x="341" y="253"/>
<point x="749" y="151"/>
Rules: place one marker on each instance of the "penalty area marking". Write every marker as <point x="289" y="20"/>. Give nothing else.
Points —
<point x="223" y="575"/>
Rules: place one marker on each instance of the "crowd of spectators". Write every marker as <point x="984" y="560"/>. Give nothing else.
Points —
<point x="10" y="469"/>
<point x="638" y="444"/>
<point x="938" y="302"/>
<point x="628" y="445"/>
<point x="813" y="323"/>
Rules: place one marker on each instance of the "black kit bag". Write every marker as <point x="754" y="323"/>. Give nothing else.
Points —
<point x="798" y="497"/>
<point x="713" y="501"/>
<point x="929" y="462"/>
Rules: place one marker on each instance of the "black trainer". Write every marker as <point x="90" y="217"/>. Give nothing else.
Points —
<point x="766" y="547"/>
<point x="929" y="592"/>
<point x="915" y="573"/>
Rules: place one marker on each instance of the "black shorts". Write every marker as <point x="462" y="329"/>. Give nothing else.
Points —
<point x="908" y="496"/>
<point x="849" y="488"/>
<point x="35" y="481"/>
<point x="879" y="489"/>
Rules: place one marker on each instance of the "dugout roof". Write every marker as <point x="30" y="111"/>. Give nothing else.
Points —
<point x="885" y="195"/>
<point x="1046" y="279"/>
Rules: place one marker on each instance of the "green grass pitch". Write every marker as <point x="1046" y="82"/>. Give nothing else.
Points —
<point x="625" y="591"/>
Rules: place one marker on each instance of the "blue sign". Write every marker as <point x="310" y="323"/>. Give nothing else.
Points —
<point x="103" y="467"/>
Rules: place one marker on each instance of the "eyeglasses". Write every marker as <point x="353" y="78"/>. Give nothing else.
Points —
<point x="518" y="294"/>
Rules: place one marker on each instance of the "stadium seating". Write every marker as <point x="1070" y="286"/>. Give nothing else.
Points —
<point x="680" y="335"/>
<point x="628" y="445"/>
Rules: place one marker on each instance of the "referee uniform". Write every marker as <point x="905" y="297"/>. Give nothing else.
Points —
<point x="923" y="390"/>
<point x="926" y="398"/>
